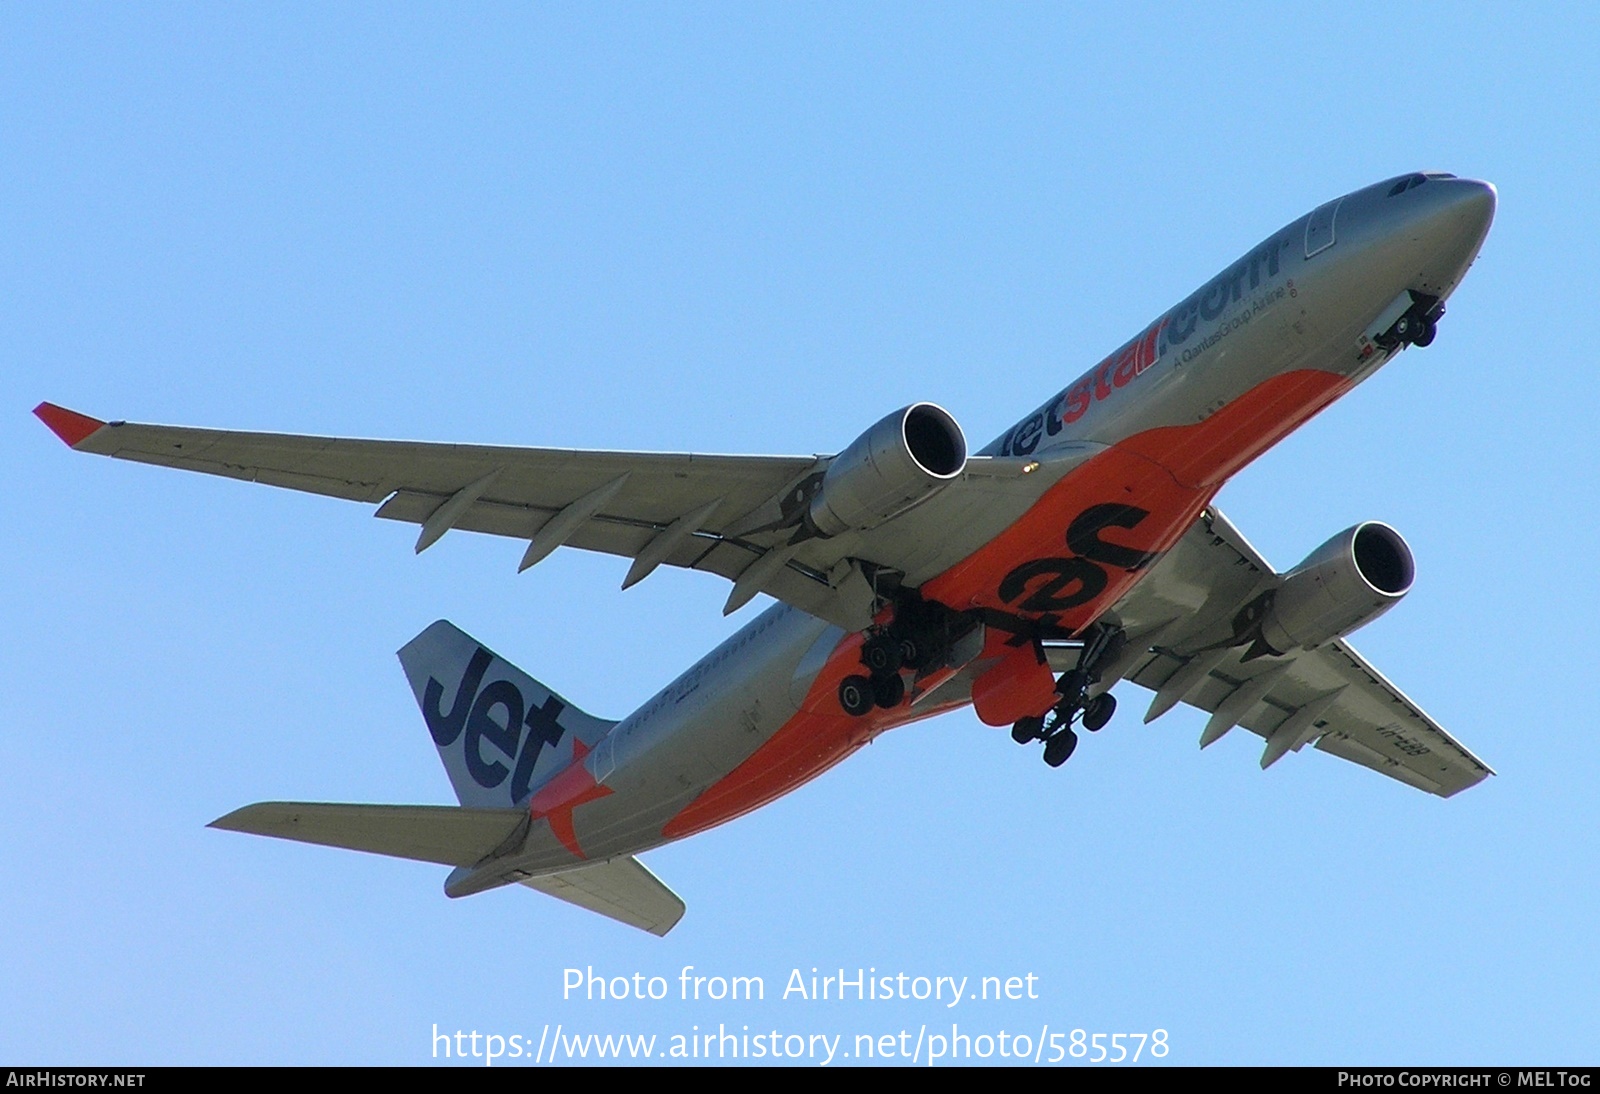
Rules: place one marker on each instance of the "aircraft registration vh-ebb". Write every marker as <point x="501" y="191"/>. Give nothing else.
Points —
<point x="1078" y="550"/>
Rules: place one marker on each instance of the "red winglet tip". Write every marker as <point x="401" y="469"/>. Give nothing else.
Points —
<point x="69" y="425"/>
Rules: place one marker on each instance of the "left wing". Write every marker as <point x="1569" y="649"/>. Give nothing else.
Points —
<point x="1329" y="695"/>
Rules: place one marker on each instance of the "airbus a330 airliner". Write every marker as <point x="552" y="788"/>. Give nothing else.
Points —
<point x="1077" y="550"/>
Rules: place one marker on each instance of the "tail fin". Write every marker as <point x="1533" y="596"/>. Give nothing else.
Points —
<point x="499" y="731"/>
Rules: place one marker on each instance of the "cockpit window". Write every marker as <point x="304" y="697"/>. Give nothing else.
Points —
<point x="1411" y="182"/>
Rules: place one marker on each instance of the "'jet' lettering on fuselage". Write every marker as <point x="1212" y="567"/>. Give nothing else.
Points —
<point x="1047" y="585"/>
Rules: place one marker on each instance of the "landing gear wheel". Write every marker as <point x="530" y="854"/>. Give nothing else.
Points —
<point x="1099" y="712"/>
<point x="881" y="654"/>
<point x="914" y="654"/>
<point x="855" y="695"/>
<point x="1425" y="334"/>
<point x="1406" y="328"/>
<point x="1024" y="730"/>
<point x="888" y="691"/>
<point x="1058" y="749"/>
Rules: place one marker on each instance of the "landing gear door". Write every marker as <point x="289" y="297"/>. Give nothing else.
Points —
<point x="1319" y="228"/>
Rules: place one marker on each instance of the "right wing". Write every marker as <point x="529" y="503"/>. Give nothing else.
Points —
<point x="720" y="514"/>
<point x="672" y="509"/>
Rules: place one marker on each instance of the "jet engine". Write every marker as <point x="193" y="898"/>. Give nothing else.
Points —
<point x="1345" y="584"/>
<point x="903" y="460"/>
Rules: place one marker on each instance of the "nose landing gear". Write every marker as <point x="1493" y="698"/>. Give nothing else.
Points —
<point x="1416" y="329"/>
<point x="1417" y="326"/>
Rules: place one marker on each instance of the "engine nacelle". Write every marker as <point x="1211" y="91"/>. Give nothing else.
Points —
<point x="1346" y="583"/>
<point x="902" y="461"/>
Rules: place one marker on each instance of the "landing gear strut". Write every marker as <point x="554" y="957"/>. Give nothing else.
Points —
<point x="1101" y="645"/>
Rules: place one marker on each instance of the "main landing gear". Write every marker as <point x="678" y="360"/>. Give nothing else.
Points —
<point x="883" y="655"/>
<point x="884" y="688"/>
<point x="919" y="637"/>
<point x="860" y="694"/>
<point x="1092" y="713"/>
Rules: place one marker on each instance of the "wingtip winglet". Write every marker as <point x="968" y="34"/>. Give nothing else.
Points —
<point x="69" y="425"/>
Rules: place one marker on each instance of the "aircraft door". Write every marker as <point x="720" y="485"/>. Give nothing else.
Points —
<point x="1319" y="228"/>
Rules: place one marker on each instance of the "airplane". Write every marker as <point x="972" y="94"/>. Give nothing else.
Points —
<point x="1079" y="549"/>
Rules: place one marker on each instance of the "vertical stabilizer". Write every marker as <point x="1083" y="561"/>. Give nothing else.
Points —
<point x="499" y="731"/>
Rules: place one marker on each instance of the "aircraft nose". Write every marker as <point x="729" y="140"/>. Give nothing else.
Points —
<point x="1473" y="201"/>
<point x="1454" y="212"/>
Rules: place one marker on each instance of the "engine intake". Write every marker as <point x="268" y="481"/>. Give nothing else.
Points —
<point x="900" y="462"/>
<point x="1341" y="586"/>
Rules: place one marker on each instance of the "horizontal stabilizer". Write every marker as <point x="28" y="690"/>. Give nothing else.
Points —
<point x="445" y="834"/>
<point x="623" y="889"/>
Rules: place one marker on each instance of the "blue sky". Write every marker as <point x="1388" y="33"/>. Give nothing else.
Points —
<point x="757" y="229"/>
